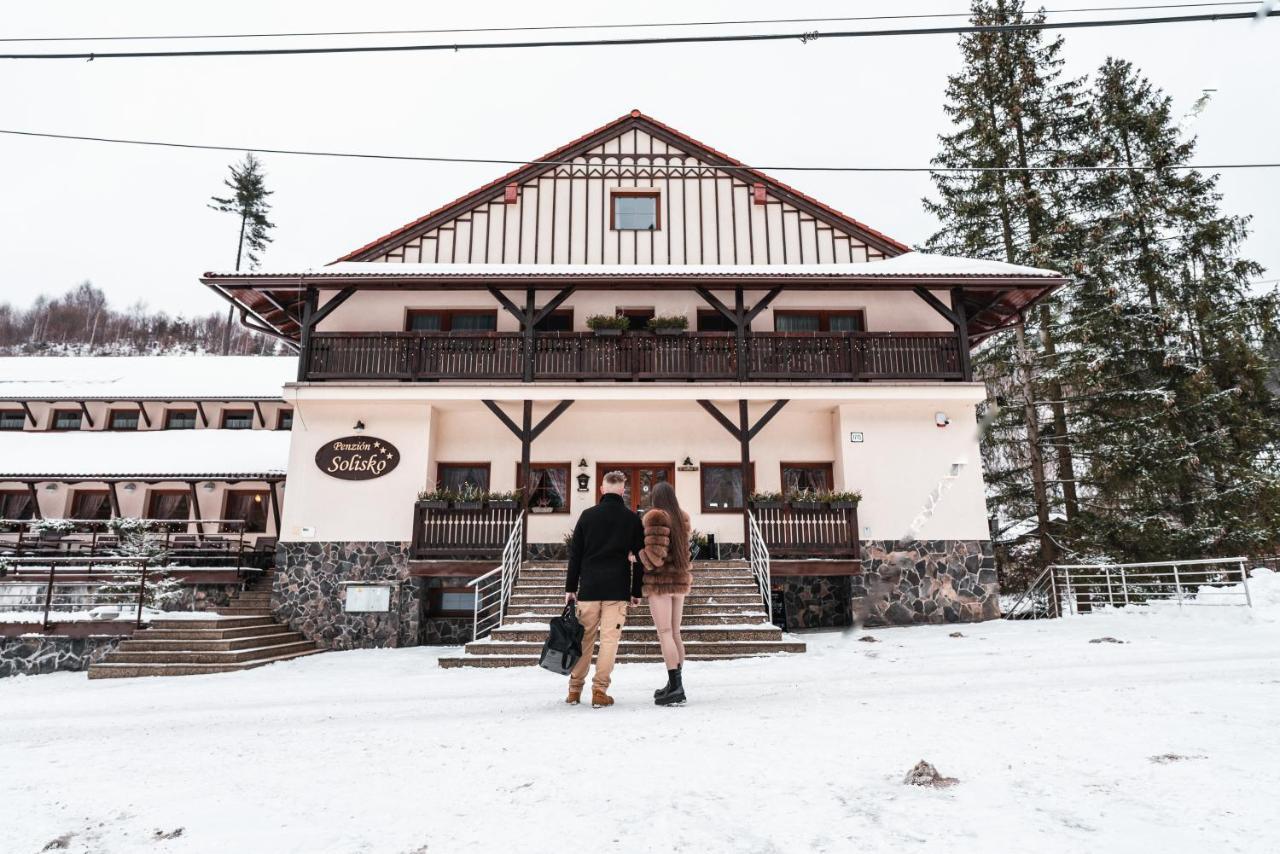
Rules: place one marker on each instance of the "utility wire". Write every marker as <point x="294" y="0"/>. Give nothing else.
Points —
<point x="803" y="37"/>
<point x="655" y="166"/>
<point x="627" y="26"/>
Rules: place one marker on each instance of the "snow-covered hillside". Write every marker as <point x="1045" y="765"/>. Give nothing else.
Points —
<point x="1164" y="742"/>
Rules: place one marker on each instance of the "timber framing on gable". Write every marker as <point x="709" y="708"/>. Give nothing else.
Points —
<point x="746" y="185"/>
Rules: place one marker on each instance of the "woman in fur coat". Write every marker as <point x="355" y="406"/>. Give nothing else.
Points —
<point x="666" y="582"/>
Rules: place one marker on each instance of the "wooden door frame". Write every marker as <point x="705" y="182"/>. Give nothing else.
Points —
<point x="604" y="468"/>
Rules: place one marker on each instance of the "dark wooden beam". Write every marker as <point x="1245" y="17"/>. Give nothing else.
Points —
<point x="35" y="500"/>
<point x="715" y="303"/>
<point x="142" y="413"/>
<point x="937" y="305"/>
<point x="739" y="309"/>
<point x="339" y="298"/>
<point x="744" y="447"/>
<point x="767" y="417"/>
<point x="526" y="460"/>
<point x="506" y="303"/>
<point x="721" y="418"/>
<point x="204" y="416"/>
<point x="308" y="326"/>
<point x="962" y="333"/>
<point x="31" y="416"/>
<point x="195" y="508"/>
<point x="115" y="499"/>
<point x="504" y="418"/>
<point x="550" y="417"/>
<point x="84" y="409"/>
<point x="553" y="304"/>
<point x="530" y="308"/>
<point x="262" y="419"/>
<point x="763" y="304"/>
<point x="275" y="506"/>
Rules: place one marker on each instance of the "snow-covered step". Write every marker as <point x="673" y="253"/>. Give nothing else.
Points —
<point x="108" y="670"/>
<point x="465" y="660"/>
<point x="752" y="597"/>
<point x="634" y="619"/>
<point x="628" y="648"/>
<point x="211" y="642"/>
<point x="216" y="656"/>
<point x="632" y="633"/>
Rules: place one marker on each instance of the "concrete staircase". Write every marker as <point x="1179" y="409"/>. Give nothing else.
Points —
<point x="722" y="620"/>
<point x="236" y="637"/>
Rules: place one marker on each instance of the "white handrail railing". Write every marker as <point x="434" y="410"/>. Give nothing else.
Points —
<point x="493" y="589"/>
<point x="759" y="559"/>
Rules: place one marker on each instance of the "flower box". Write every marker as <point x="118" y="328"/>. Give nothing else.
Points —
<point x="843" y="505"/>
<point x="504" y="503"/>
<point x="434" y="504"/>
<point x="808" y="505"/>
<point x="669" y="330"/>
<point x="468" y="505"/>
<point x="611" y="332"/>
<point x="767" y="505"/>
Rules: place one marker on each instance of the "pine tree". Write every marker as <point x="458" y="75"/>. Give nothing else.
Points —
<point x="1012" y="107"/>
<point x="248" y="200"/>
<point x="1166" y="347"/>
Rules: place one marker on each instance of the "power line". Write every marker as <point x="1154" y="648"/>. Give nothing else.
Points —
<point x="803" y="37"/>
<point x="657" y="166"/>
<point x="627" y="26"/>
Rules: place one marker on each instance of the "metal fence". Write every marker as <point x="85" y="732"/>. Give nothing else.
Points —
<point x="54" y="587"/>
<point x="1064" y="589"/>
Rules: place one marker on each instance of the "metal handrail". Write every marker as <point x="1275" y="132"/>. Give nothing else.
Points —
<point x="116" y="565"/>
<point x="759" y="559"/>
<point x="493" y="589"/>
<point x="1035" y="589"/>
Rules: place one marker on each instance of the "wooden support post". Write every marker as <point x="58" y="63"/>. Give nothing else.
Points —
<point x="35" y="500"/>
<point x="204" y="416"/>
<point x="307" y="325"/>
<point x="84" y="409"/>
<point x="530" y="308"/>
<point x="744" y="447"/>
<point x="142" y="413"/>
<point x="740" y="311"/>
<point x="526" y="459"/>
<point x="275" y="505"/>
<point x="31" y="417"/>
<point x="115" y="499"/>
<point x="195" y="508"/>
<point x="262" y="419"/>
<point x="962" y="333"/>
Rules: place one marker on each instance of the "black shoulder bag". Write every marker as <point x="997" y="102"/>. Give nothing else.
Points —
<point x="564" y="645"/>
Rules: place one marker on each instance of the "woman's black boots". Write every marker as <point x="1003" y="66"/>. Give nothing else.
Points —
<point x="673" y="694"/>
<point x="667" y="687"/>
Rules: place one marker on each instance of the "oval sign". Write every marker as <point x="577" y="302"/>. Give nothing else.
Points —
<point x="357" y="457"/>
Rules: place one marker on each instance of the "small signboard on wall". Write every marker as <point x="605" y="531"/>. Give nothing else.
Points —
<point x="368" y="598"/>
<point x="357" y="457"/>
<point x="855" y="437"/>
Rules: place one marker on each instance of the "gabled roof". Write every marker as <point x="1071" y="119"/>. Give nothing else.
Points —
<point x="633" y="120"/>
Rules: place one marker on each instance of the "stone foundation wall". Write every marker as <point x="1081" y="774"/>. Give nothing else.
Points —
<point x="925" y="581"/>
<point x="813" y="601"/>
<point x="309" y="593"/>
<point x="35" y="654"/>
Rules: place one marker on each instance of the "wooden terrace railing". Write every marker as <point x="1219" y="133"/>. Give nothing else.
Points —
<point x="458" y="533"/>
<point x="799" y="532"/>
<point x="854" y="356"/>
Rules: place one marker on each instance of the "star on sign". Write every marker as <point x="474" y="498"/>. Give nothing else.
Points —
<point x="377" y="444"/>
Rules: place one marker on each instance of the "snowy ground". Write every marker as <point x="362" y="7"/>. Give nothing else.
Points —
<point x="1167" y="742"/>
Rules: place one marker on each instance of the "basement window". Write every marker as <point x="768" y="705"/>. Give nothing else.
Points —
<point x="635" y="212"/>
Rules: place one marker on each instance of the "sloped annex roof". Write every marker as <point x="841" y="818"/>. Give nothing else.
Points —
<point x="194" y="377"/>
<point x="144" y="454"/>
<point x="632" y="120"/>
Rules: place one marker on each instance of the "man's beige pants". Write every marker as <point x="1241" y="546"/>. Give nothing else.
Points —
<point x="606" y="618"/>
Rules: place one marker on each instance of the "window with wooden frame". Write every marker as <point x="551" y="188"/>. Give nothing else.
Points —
<point x="451" y="320"/>
<point x="547" y="485"/>
<point x="560" y="320"/>
<point x="451" y="602"/>
<point x="456" y="477"/>
<point x="123" y="419"/>
<point x="806" y="476"/>
<point x="284" y="419"/>
<point x="237" y="419"/>
<point x="91" y="504"/>
<point x="170" y="504"/>
<point x="710" y="320"/>
<point x="66" y="419"/>
<point x="248" y="506"/>
<point x="638" y="317"/>
<point x="180" y="419"/>
<point x="805" y="320"/>
<point x="15" y="504"/>
<point x="722" y="490"/>
<point x="635" y="210"/>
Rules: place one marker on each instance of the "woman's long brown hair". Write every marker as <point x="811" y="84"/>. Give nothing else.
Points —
<point x="664" y="498"/>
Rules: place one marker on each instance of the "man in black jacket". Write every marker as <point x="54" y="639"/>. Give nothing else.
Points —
<point x="602" y="579"/>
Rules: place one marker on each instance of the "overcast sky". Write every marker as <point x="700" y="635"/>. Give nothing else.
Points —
<point x="134" y="221"/>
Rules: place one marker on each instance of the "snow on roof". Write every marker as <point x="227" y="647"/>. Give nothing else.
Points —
<point x="142" y="377"/>
<point x="910" y="264"/>
<point x="143" y="453"/>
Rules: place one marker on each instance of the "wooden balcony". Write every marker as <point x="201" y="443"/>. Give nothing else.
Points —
<point x="704" y="356"/>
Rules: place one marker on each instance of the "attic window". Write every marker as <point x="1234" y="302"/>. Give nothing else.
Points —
<point x="634" y="211"/>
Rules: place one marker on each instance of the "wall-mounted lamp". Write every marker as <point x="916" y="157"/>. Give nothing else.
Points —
<point x="51" y="487"/>
<point x="582" y="463"/>
<point x="957" y="466"/>
<point x="688" y="461"/>
<point x="208" y="486"/>
<point x="359" y="428"/>
<point x="941" y="419"/>
<point x="584" y="481"/>
<point x="130" y="487"/>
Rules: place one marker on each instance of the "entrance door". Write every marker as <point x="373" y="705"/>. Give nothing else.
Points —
<point x="641" y="479"/>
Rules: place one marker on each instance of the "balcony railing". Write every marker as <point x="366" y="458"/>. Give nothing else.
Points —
<point x="798" y="531"/>
<point x="854" y="356"/>
<point x="461" y="534"/>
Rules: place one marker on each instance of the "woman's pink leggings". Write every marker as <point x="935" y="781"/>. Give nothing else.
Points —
<point x="668" y="611"/>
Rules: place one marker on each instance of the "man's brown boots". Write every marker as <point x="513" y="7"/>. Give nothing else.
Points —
<point x="600" y="699"/>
